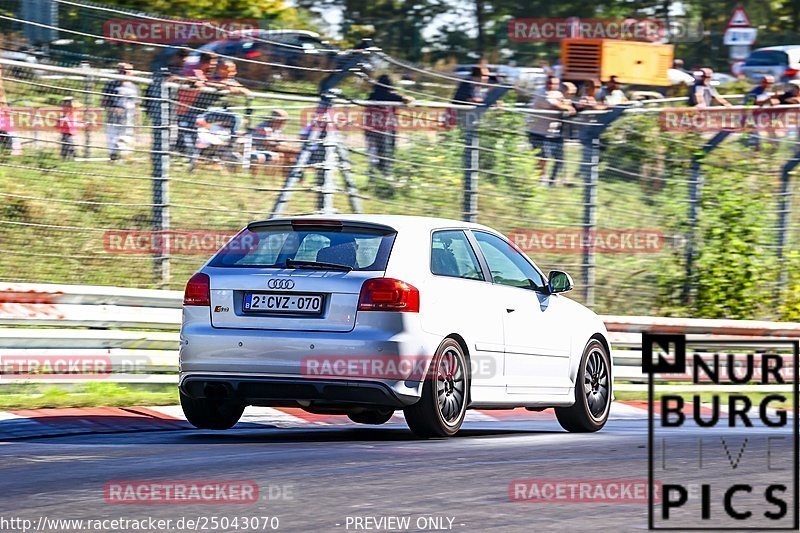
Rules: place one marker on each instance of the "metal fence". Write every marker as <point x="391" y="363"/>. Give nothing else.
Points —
<point x="151" y="217"/>
<point x="680" y="222"/>
<point x="134" y="333"/>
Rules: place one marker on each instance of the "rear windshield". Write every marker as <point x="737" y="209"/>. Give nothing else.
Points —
<point x="767" y="58"/>
<point x="270" y="247"/>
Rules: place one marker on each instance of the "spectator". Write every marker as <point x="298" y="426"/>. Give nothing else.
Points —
<point x="205" y="67"/>
<point x="177" y="64"/>
<point x="173" y="72"/>
<point x="545" y="130"/>
<point x="380" y="126"/>
<point x="702" y="93"/>
<point x="270" y="147"/>
<point x="193" y="100"/>
<point x="570" y="90"/>
<point x="611" y="94"/>
<point x="68" y="128"/>
<point x="470" y="91"/>
<point x="588" y="100"/>
<point x="791" y="96"/>
<point x="212" y="127"/>
<point x="225" y="78"/>
<point x="763" y="94"/>
<point x="119" y="100"/>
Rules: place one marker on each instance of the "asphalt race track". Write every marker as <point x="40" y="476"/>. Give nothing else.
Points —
<point x="314" y="478"/>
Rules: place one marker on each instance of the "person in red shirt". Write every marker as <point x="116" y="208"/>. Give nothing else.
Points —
<point x="68" y="128"/>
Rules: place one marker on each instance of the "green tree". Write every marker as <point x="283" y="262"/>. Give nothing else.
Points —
<point x="277" y="10"/>
<point x="397" y="24"/>
<point x="733" y="264"/>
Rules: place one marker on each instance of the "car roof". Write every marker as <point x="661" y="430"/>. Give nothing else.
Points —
<point x="783" y="48"/>
<point x="398" y="222"/>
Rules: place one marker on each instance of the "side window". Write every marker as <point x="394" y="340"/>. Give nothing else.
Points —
<point x="452" y="255"/>
<point x="508" y="266"/>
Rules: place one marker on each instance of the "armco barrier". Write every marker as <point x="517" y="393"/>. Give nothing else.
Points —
<point x="141" y="324"/>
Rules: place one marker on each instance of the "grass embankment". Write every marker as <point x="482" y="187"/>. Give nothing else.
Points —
<point x="36" y="396"/>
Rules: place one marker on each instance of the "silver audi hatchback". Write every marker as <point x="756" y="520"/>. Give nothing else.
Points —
<point x="365" y="315"/>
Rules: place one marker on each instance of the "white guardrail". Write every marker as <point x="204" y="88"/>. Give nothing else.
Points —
<point x="137" y="330"/>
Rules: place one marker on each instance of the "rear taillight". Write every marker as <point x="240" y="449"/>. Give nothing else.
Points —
<point x="198" y="290"/>
<point x="791" y="72"/>
<point x="388" y="294"/>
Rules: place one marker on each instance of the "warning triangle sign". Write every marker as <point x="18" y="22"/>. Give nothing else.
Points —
<point x="739" y="19"/>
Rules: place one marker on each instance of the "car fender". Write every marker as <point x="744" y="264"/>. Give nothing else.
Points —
<point x="585" y="324"/>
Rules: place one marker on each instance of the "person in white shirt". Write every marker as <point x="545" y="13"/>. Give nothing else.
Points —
<point x="119" y="100"/>
<point x="545" y="130"/>
<point x="611" y="94"/>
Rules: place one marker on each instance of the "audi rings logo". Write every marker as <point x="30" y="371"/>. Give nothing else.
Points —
<point x="279" y="283"/>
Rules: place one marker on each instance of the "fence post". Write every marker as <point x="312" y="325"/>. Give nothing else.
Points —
<point x="471" y="162"/>
<point x="590" y="169"/>
<point x="784" y="209"/>
<point x="88" y="84"/>
<point x="325" y="174"/>
<point x="695" y="196"/>
<point x="160" y="162"/>
<point x="591" y="175"/>
<point x="472" y="118"/>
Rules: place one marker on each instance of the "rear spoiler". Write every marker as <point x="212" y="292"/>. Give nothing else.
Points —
<point x="322" y="223"/>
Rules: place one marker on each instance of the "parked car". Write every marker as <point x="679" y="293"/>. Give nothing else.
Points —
<point x="525" y="78"/>
<point x="294" y="48"/>
<point x="782" y="62"/>
<point x="425" y="315"/>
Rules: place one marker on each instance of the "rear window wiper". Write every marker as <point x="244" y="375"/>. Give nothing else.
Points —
<point x="317" y="265"/>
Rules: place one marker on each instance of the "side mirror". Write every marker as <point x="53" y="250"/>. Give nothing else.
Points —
<point x="558" y="281"/>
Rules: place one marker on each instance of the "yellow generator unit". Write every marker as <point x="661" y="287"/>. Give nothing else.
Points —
<point x="633" y="62"/>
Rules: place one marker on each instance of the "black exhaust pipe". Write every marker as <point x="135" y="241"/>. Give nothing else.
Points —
<point x="215" y="391"/>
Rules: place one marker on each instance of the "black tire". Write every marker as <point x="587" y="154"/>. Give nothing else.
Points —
<point x="441" y="408"/>
<point x="375" y="418"/>
<point x="593" y="383"/>
<point x="207" y="413"/>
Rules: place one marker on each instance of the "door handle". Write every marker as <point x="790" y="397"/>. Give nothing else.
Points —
<point x="509" y="310"/>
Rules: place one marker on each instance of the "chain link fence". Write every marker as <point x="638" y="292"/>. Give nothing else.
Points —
<point x="647" y="221"/>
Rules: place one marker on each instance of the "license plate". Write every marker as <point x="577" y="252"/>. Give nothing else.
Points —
<point x="307" y="304"/>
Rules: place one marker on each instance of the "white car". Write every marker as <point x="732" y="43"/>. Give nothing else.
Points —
<point x="364" y="315"/>
<point x="780" y="62"/>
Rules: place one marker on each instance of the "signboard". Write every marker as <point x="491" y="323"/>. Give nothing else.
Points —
<point x="738" y="52"/>
<point x="739" y="19"/>
<point x="740" y="36"/>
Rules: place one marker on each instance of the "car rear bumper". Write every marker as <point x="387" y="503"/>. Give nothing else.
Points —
<point x="382" y="361"/>
<point x="320" y="393"/>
